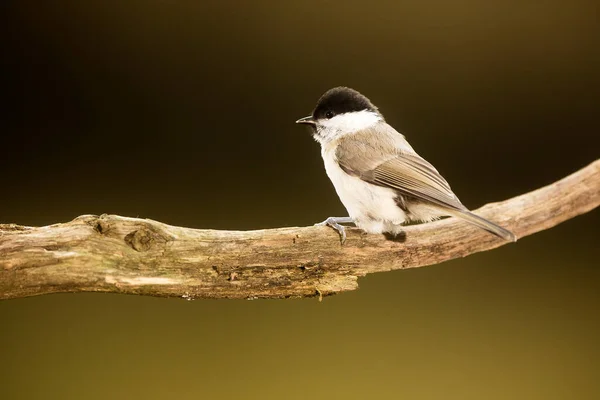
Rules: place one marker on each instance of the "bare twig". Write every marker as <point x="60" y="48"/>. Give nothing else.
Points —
<point x="109" y="253"/>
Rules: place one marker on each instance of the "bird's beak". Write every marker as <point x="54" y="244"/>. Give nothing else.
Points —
<point x="307" y="120"/>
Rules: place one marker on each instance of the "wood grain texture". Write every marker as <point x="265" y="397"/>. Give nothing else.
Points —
<point x="109" y="253"/>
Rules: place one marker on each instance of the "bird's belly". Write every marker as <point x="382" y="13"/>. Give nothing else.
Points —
<point x="372" y="207"/>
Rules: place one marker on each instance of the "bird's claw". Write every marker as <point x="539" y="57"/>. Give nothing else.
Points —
<point x="333" y="222"/>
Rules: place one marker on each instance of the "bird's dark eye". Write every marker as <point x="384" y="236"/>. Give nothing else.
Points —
<point x="329" y="114"/>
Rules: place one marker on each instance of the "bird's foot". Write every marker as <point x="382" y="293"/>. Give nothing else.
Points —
<point x="335" y="222"/>
<point x="399" y="236"/>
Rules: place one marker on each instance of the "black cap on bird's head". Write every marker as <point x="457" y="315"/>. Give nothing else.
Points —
<point x="339" y="100"/>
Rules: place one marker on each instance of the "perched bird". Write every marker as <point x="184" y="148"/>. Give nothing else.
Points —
<point x="377" y="175"/>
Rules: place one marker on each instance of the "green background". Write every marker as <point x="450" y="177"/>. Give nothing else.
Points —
<point x="184" y="112"/>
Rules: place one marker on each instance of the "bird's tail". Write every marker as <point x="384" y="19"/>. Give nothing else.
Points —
<point x="484" y="224"/>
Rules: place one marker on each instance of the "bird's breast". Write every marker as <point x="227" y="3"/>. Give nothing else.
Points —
<point x="363" y="201"/>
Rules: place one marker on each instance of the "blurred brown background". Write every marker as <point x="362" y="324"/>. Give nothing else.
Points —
<point x="183" y="112"/>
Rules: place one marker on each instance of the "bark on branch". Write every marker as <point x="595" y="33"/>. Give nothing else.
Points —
<point x="109" y="253"/>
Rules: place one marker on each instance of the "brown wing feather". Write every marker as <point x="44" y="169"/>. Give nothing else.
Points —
<point x="411" y="175"/>
<point x="392" y="163"/>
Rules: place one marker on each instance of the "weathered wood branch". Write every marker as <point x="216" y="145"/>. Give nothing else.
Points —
<point x="109" y="253"/>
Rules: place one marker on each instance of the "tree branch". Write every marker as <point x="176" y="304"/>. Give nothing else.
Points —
<point x="109" y="253"/>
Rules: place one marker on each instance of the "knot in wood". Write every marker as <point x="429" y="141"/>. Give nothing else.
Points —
<point x="144" y="239"/>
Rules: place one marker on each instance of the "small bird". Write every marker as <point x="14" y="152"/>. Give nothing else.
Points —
<point x="378" y="176"/>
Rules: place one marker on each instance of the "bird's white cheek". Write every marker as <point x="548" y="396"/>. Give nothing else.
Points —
<point x="352" y="121"/>
<point x="342" y="124"/>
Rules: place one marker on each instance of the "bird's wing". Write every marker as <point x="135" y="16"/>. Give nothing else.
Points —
<point x="392" y="163"/>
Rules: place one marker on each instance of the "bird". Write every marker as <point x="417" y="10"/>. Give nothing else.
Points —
<point x="380" y="179"/>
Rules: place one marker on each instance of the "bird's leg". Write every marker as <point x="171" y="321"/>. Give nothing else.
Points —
<point x="335" y="222"/>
